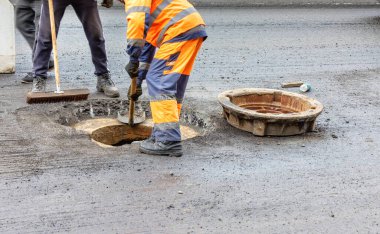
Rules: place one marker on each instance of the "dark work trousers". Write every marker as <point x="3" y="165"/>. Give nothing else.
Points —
<point x="27" y="20"/>
<point x="87" y="12"/>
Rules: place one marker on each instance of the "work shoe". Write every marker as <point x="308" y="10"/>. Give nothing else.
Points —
<point x="106" y="85"/>
<point x="39" y="85"/>
<point x="28" y="78"/>
<point x="171" y="149"/>
<point x="151" y="139"/>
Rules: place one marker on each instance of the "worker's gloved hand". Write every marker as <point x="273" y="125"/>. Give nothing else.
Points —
<point x="107" y="3"/>
<point x="133" y="69"/>
<point x="136" y="95"/>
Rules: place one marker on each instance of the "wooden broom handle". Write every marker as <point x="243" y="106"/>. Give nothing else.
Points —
<point x="54" y="42"/>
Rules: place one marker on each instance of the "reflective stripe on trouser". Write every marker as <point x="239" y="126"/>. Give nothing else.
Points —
<point x="167" y="79"/>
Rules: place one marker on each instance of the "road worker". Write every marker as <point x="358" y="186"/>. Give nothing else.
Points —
<point x="177" y="30"/>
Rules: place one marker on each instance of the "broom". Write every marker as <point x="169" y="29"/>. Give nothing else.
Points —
<point x="58" y="95"/>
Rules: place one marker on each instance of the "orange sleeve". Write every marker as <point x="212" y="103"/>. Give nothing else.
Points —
<point x="138" y="13"/>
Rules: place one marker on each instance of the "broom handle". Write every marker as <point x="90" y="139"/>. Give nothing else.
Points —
<point x="132" y="102"/>
<point x="54" y="42"/>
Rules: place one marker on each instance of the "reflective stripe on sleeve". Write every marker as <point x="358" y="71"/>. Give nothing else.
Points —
<point x="138" y="9"/>
<point x="158" y="11"/>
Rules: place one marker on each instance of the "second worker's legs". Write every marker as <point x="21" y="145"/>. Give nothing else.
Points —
<point x="88" y="14"/>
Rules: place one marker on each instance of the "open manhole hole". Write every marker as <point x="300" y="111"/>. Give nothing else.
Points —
<point x="268" y="112"/>
<point x="110" y="132"/>
<point x="97" y="118"/>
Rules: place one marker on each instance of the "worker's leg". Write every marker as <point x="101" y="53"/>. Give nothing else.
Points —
<point x="25" y="22"/>
<point x="44" y="42"/>
<point x="37" y="15"/>
<point x="192" y="52"/>
<point x="88" y="14"/>
<point x="167" y="79"/>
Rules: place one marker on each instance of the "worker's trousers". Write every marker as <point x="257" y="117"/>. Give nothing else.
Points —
<point x="27" y="19"/>
<point x="87" y="12"/>
<point x="167" y="79"/>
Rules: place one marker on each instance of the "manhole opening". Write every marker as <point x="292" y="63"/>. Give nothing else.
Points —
<point x="97" y="118"/>
<point x="110" y="132"/>
<point x="119" y="135"/>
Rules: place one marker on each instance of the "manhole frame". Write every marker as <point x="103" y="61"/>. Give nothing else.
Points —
<point x="266" y="124"/>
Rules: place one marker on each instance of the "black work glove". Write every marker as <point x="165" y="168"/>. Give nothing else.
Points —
<point x="133" y="69"/>
<point x="136" y="95"/>
<point x="107" y="3"/>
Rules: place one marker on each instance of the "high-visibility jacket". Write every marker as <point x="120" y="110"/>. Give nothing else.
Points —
<point x="158" y="21"/>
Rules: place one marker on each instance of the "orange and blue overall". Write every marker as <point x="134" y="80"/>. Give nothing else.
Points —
<point x="176" y="28"/>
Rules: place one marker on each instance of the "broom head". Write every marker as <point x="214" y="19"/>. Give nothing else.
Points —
<point x="51" y="97"/>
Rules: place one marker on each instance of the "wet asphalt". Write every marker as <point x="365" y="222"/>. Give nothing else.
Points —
<point x="54" y="179"/>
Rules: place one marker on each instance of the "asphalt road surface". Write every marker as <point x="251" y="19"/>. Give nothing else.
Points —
<point x="54" y="179"/>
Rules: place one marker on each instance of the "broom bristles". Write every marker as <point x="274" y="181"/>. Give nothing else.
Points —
<point x="72" y="95"/>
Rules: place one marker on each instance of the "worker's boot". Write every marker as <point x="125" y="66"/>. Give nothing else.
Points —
<point x="171" y="149"/>
<point x="29" y="76"/>
<point x="106" y="85"/>
<point x="39" y="85"/>
<point x="152" y="138"/>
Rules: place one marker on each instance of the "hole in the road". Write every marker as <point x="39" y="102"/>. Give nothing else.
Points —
<point x="110" y="132"/>
<point x="118" y="135"/>
<point x="97" y="118"/>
